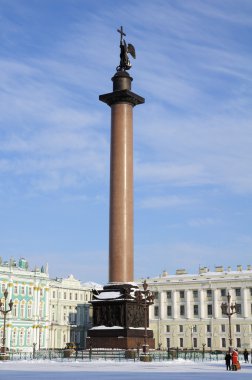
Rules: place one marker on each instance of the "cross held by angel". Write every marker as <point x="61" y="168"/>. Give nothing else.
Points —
<point x="125" y="49"/>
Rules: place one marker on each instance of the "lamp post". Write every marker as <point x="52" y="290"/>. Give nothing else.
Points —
<point x="229" y="309"/>
<point x="5" y="311"/>
<point x="39" y="336"/>
<point x="34" y="350"/>
<point x="203" y="350"/>
<point x="145" y="298"/>
<point x="192" y="327"/>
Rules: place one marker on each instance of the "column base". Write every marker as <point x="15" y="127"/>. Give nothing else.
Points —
<point x="119" y="338"/>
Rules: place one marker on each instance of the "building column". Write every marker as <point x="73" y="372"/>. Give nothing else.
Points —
<point x="47" y="323"/>
<point x="162" y="304"/>
<point x="188" y="298"/>
<point x="216" y="307"/>
<point x="36" y="313"/>
<point x="245" y="302"/>
<point x="202" y="304"/>
<point x="10" y="289"/>
<point x="174" y="304"/>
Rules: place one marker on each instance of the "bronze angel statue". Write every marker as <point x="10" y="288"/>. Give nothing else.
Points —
<point x="125" y="50"/>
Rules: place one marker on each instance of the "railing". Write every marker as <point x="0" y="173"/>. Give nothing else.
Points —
<point x="43" y="354"/>
<point x="117" y="355"/>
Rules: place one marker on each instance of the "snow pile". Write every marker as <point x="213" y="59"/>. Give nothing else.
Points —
<point x="125" y="370"/>
<point x="108" y="295"/>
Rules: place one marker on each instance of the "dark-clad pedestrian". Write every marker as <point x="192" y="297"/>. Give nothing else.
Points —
<point x="245" y="355"/>
<point x="228" y="358"/>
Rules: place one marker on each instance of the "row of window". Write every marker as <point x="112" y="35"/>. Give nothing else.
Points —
<point x="209" y="292"/>
<point x="68" y="312"/>
<point x="70" y="318"/>
<point x="182" y="310"/>
<point x="22" y="337"/>
<point x="25" y="290"/>
<point x="223" y="328"/>
<point x="71" y="296"/>
<point x="22" y="290"/>
<point x="28" y="291"/>
<point x="224" y="342"/>
<point x="23" y="310"/>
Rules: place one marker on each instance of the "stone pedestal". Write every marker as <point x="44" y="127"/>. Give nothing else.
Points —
<point x="118" y="320"/>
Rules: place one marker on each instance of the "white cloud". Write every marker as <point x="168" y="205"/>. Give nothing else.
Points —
<point x="48" y="136"/>
<point x="194" y="132"/>
<point x="226" y="10"/>
<point x="201" y="222"/>
<point x="210" y="149"/>
<point x="155" y="202"/>
<point x="179" y="64"/>
<point x="168" y="172"/>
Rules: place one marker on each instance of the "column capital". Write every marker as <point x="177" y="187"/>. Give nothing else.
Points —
<point x="121" y="96"/>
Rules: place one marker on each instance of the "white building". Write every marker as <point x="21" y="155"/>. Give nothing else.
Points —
<point x="68" y="312"/>
<point x="187" y="309"/>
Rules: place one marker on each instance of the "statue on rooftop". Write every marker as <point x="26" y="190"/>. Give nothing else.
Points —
<point x="125" y="50"/>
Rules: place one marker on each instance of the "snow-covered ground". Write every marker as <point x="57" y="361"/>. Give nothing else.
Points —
<point x="111" y="370"/>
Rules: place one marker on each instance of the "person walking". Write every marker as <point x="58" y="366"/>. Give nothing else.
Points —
<point x="245" y="355"/>
<point x="228" y="361"/>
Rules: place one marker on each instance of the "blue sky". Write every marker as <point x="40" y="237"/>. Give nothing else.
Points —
<point x="192" y="137"/>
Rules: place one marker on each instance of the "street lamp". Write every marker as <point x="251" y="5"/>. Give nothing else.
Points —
<point x="40" y="327"/>
<point x="229" y="309"/>
<point x="5" y="311"/>
<point x="145" y="298"/>
<point x="203" y="350"/>
<point x="192" y="327"/>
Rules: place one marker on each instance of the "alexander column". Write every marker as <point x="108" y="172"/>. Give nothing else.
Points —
<point x="117" y="316"/>
<point x="121" y="100"/>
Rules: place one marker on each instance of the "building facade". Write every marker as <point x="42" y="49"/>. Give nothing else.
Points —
<point x="46" y="313"/>
<point x="27" y="325"/>
<point x="187" y="310"/>
<point x="68" y="312"/>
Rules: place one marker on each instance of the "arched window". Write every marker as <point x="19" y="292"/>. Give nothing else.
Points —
<point x="14" y="337"/>
<point x="40" y="336"/>
<point x="21" y="337"/>
<point x="22" y="309"/>
<point x="29" y="310"/>
<point x="28" y="337"/>
<point x="15" y="309"/>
